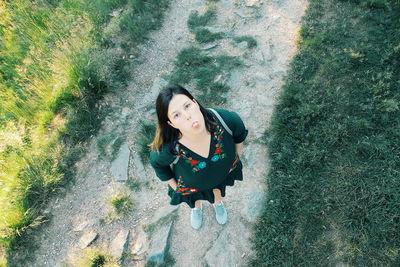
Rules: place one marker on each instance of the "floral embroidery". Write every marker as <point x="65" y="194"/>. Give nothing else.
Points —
<point x="183" y="190"/>
<point x="194" y="163"/>
<point x="219" y="151"/>
<point x="234" y="163"/>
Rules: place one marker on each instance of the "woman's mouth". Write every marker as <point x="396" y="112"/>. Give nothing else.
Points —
<point x="195" y="124"/>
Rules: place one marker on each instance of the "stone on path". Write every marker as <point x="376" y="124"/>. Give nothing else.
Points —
<point x="254" y="201"/>
<point x="139" y="168"/>
<point x="225" y="251"/>
<point x="163" y="211"/>
<point x="252" y="3"/>
<point x="159" y="243"/>
<point x="210" y="46"/>
<point x="87" y="239"/>
<point x="119" y="167"/>
<point x="158" y="84"/>
<point x="259" y="56"/>
<point x="243" y="45"/>
<point x="119" y="244"/>
<point x="140" y="244"/>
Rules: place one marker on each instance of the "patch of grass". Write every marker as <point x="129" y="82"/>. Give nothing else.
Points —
<point x="251" y="42"/>
<point x="205" y="36"/>
<point x="96" y="258"/>
<point x="56" y="66"/>
<point x="142" y="17"/>
<point x="195" y="20"/>
<point x="145" y="136"/>
<point x="133" y="184"/>
<point x="122" y="204"/>
<point x="333" y="143"/>
<point x="194" y="66"/>
<point x="169" y="261"/>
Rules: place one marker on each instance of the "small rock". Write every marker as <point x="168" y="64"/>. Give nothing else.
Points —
<point x="240" y="14"/>
<point x="119" y="167"/>
<point x="259" y="56"/>
<point x="252" y="3"/>
<point x="268" y="53"/>
<point x="242" y="45"/>
<point x="80" y="226"/>
<point x="119" y="244"/>
<point x="158" y="84"/>
<point x="209" y="47"/>
<point x="163" y="211"/>
<point x="159" y="243"/>
<point x="87" y="239"/>
<point x="139" y="165"/>
<point x="140" y="244"/>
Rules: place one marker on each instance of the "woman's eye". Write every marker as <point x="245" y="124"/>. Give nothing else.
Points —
<point x="187" y="105"/>
<point x="176" y="115"/>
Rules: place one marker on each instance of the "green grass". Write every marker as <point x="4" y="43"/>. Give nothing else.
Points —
<point x="145" y="136"/>
<point x="169" y="261"/>
<point x="334" y="143"/>
<point x="96" y="258"/>
<point x="122" y="204"/>
<point x="194" y="66"/>
<point x="251" y="42"/>
<point x="195" y="20"/>
<point x="205" y="36"/>
<point x="57" y="64"/>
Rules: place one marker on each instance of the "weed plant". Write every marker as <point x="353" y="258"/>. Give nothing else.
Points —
<point x="333" y="195"/>
<point x="251" y="42"/>
<point x="122" y="204"/>
<point x="195" y="20"/>
<point x="55" y="68"/>
<point x="146" y="134"/>
<point x="96" y="258"/>
<point x="193" y="66"/>
<point x="205" y="36"/>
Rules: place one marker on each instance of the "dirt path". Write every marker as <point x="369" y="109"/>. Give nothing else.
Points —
<point x="254" y="91"/>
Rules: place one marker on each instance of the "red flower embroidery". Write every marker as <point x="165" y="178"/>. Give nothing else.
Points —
<point x="193" y="162"/>
<point x="218" y="150"/>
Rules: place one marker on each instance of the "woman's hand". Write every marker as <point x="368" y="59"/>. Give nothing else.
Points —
<point x="238" y="148"/>
<point x="172" y="183"/>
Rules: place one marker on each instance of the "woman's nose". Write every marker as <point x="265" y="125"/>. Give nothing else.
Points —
<point x="187" y="115"/>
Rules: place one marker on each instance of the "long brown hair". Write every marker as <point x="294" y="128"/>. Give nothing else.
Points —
<point x="166" y="133"/>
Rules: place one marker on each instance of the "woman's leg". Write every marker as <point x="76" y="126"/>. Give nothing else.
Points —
<point x="217" y="196"/>
<point x="197" y="204"/>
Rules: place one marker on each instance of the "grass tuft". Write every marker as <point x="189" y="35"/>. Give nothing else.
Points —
<point x="193" y="65"/>
<point x="146" y="134"/>
<point x="122" y="204"/>
<point x="205" y="36"/>
<point x="96" y="258"/>
<point x="251" y="42"/>
<point x="195" y="20"/>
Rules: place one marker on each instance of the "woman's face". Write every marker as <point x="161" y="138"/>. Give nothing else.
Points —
<point x="184" y="114"/>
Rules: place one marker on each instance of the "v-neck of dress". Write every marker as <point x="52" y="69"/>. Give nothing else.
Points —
<point x="209" y="148"/>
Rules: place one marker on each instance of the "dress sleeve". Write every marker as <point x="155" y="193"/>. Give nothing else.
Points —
<point x="235" y="123"/>
<point x="160" y="161"/>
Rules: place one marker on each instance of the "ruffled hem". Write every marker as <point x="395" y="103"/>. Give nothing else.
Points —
<point x="177" y="198"/>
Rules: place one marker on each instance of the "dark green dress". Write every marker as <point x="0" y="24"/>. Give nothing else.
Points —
<point x="198" y="176"/>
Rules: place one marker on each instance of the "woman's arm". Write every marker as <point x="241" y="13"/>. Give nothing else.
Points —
<point x="172" y="183"/>
<point x="238" y="148"/>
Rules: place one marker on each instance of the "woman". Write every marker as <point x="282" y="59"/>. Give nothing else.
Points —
<point x="196" y="152"/>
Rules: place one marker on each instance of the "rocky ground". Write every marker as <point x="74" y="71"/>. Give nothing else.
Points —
<point x="82" y="218"/>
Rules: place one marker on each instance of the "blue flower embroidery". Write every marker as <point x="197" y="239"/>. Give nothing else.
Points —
<point x="215" y="158"/>
<point x="202" y="165"/>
